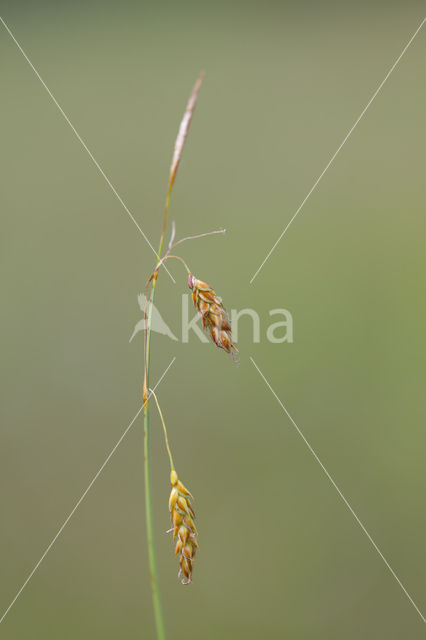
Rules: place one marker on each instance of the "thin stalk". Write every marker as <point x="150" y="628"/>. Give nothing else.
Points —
<point x="166" y="212"/>
<point x="172" y="245"/>
<point x="180" y="140"/>
<point x="167" y="256"/>
<point x="158" y="609"/>
<point x="166" y="438"/>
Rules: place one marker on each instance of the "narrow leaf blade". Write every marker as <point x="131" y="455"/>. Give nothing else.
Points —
<point x="183" y="129"/>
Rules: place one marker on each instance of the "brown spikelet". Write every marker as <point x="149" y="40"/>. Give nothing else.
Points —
<point x="184" y="531"/>
<point x="214" y="316"/>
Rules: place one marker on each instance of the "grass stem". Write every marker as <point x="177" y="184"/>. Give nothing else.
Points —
<point x="172" y="466"/>
<point x="180" y="140"/>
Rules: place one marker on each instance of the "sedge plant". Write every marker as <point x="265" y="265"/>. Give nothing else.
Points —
<point x="216" y="322"/>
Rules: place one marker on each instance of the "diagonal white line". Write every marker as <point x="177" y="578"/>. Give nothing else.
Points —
<point x="80" y="139"/>
<point x="339" y="491"/>
<point x="317" y="181"/>
<point x="80" y="500"/>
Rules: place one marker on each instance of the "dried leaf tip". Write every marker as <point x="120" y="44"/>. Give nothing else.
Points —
<point x="184" y="128"/>
<point x="214" y="316"/>
<point x="184" y="531"/>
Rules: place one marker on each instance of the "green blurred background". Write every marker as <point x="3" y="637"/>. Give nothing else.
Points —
<point x="281" y="555"/>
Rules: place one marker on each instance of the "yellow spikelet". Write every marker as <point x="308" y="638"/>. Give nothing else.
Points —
<point x="213" y="314"/>
<point x="184" y="531"/>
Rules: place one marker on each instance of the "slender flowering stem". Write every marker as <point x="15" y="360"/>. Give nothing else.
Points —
<point x="183" y="130"/>
<point x="166" y="257"/>
<point x="158" y="610"/>
<point x="166" y="438"/>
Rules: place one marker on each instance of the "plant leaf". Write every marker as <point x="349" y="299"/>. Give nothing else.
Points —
<point x="183" y="129"/>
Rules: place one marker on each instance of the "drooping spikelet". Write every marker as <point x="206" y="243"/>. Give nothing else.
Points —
<point x="184" y="531"/>
<point x="213" y="314"/>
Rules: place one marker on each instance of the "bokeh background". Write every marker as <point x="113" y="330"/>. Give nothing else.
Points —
<point x="281" y="555"/>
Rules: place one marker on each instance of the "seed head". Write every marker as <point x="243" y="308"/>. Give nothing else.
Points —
<point x="214" y="316"/>
<point x="184" y="531"/>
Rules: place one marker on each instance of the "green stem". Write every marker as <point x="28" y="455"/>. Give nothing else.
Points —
<point x="166" y="437"/>
<point x="158" y="609"/>
<point x="183" y="130"/>
<point x="166" y="212"/>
